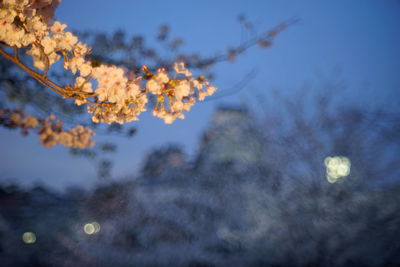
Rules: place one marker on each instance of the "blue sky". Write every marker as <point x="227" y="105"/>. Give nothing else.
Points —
<point x="353" y="41"/>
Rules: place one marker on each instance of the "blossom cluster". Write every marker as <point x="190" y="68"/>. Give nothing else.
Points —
<point x="50" y="129"/>
<point x="120" y="95"/>
<point x="23" y="22"/>
<point x="177" y="95"/>
<point x="51" y="133"/>
<point x="17" y="119"/>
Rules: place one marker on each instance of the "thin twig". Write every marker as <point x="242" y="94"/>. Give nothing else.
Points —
<point x="34" y="74"/>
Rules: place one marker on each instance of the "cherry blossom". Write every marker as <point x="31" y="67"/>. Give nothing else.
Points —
<point x="120" y="96"/>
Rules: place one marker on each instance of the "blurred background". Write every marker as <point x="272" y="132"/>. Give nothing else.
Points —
<point x="294" y="161"/>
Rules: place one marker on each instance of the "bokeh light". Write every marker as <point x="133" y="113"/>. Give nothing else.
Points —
<point x="96" y="226"/>
<point x="29" y="238"/>
<point x="337" y="168"/>
<point x="91" y="228"/>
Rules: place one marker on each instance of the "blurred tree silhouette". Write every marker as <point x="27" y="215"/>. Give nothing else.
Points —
<point x="278" y="210"/>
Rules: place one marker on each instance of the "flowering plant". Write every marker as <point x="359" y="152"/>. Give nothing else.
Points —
<point x="121" y="95"/>
<point x="111" y="93"/>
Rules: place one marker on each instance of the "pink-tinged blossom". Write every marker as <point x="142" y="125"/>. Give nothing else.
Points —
<point x="58" y="28"/>
<point x="119" y="96"/>
<point x="180" y="68"/>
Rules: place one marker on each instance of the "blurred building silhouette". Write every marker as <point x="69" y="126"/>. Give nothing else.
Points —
<point x="231" y="139"/>
<point x="164" y="160"/>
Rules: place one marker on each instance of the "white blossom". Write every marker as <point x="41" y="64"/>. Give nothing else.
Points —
<point x="119" y="97"/>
